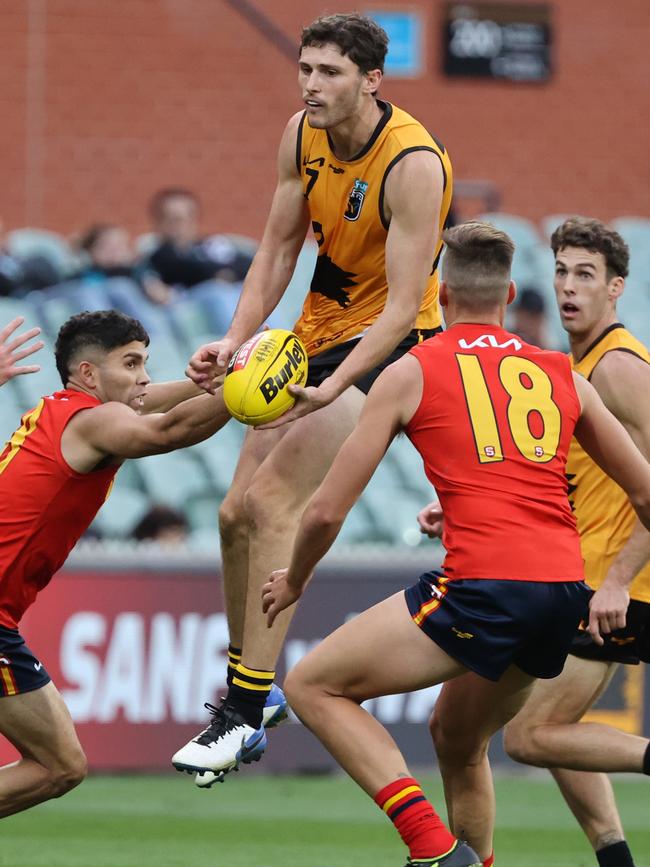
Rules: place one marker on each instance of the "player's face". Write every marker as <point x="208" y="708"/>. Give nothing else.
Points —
<point x="122" y="376"/>
<point x="332" y="85"/>
<point x="585" y="296"/>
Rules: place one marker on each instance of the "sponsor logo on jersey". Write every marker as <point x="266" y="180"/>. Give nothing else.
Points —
<point x="355" y="201"/>
<point x="489" y="340"/>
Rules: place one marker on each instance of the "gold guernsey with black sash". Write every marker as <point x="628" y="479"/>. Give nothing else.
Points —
<point x="603" y="513"/>
<point x="346" y="198"/>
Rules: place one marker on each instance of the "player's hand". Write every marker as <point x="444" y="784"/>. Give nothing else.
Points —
<point x="307" y="400"/>
<point x="430" y="520"/>
<point x="277" y="595"/>
<point x="209" y="362"/>
<point x="10" y="353"/>
<point x="607" y="611"/>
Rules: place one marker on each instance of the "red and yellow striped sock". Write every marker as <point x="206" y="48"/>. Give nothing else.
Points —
<point x="418" y="824"/>
<point x="489" y="862"/>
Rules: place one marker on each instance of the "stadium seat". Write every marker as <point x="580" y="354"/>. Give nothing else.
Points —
<point x="10" y="308"/>
<point x="121" y="512"/>
<point x="290" y="305"/>
<point x="202" y="511"/>
<point x="358" y="528"/>
<point x="28" y="242"/>
<point x="394" y="512"/>
<point x="35" y="386"/>
<point x="167" y="359"/>
<point x="204" y="541"/>
<point x="409" y="465"/>
<point x="189" y="321"/>
<point x="126" y="295"/>
<point x="58" y="303"/>
<point x="174" y="478"/>
<point x="220" y="454"/>
<point x="550" y="223"/>
<point x="219" y="300"/>
<point x="528" y="246"/>
<point x="636" y="233"/>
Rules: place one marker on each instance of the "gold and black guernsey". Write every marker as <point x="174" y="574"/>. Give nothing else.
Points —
<point x="603" y="512"/>
<point x="346" y="197"/>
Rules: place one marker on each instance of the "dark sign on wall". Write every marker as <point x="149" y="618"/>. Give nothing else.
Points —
<point x="497" y="40"/>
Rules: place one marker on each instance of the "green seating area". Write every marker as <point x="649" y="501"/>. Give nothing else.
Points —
<point x="196" y="479"/>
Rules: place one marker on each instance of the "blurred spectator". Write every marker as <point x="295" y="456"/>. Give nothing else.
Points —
<point x="528" y="318"/>
<point x="182" y="257"/>
<point x="109" y="253"/>
<point x="162" y="524"/>
<point x="20" y="275"/>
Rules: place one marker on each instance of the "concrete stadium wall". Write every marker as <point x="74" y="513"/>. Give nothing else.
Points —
<point x="103" y="103"/>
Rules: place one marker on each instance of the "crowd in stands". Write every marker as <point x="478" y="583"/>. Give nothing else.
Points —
<point x="184" y="287"/>
<point x="173" y="258"/>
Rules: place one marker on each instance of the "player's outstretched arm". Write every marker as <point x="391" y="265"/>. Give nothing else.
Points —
<point x="163" y="396"/>
<point x="619" y="379"/>
<point x="605" y="440"/>
<point x="115" y="430"/>
<point x="270" y="270"/>
<point x="11" y="353"/>
<point x="390" y="405"/>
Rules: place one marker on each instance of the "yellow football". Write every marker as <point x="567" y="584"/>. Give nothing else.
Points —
<point x="255" y="389"/>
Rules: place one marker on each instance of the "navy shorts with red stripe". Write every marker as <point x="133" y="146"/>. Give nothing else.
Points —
<point x="20" y="670"/>
<point x="489" y="625"/>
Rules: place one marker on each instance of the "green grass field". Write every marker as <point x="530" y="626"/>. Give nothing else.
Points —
<point x="258" y="821"/>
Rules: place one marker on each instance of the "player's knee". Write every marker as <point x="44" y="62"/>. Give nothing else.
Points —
<point x="454" y="745"/>
<point x="294" y="689"/>
<point x="265" y="504"/>
<point x="520" y="743"/>
<point x="68" y="773"/>
<point x="300" y="689"/>
<point x="233" y="522"/>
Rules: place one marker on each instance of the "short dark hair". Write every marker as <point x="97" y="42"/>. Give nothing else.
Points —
<point x="93" y="234"/>
<point x="158" y="518"/>
<point x="101" y="329"/>
<point x="531" y="300"/>
<point x="477" y="262"/>
<point x="595" y="236"/>
<point x="357" y="36"/>
<point x="158" y="200"/>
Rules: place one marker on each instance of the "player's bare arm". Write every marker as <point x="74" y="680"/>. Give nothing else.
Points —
<point x="607" y="442"/>
<point x="391" y="403"/>
<point x="163" y="396"/>
<point x="412" y="204"/>
<point x="619" y="379"/>
<point x="115" y="430"/>
<point x="11" y="353"/>
<point x="271" y="269"/>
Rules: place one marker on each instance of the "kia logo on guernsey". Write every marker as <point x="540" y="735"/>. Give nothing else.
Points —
<point x="487" y="340"/>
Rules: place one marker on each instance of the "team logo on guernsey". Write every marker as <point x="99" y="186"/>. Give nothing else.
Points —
<point x="355" y="201"/>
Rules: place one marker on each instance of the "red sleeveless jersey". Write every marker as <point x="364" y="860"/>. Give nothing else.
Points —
<point x="45" y="506"/>
<point x="493" y="429"/>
